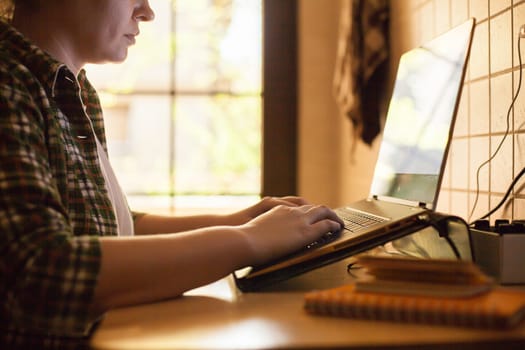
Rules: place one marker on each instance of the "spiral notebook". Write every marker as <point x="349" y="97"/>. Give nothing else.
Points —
<point x="435" y="291"/>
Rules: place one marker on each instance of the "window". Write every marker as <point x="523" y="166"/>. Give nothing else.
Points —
<point x="184" y="112"/>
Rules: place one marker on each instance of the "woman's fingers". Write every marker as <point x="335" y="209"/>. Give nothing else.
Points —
<point x="326" y="225"/>
<point x="321" y="213"/>
<point x="290" y="201"/>
<point x="295" y="200"/>
<point x="285" y="229"/>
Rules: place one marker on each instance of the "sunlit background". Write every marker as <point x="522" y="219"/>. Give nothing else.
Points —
<point x="183" y="113"/>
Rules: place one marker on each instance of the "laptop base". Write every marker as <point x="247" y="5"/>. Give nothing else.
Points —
<point x="256" y="283"/>
<point x="445" y="226"/>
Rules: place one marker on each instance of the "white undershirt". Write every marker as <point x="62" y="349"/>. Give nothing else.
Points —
<point x="116" y="195"/>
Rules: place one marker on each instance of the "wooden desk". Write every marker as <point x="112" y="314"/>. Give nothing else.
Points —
<point x="219" y="317"/>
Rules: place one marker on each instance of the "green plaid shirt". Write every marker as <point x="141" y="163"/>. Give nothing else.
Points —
<point x="53" y="200"/>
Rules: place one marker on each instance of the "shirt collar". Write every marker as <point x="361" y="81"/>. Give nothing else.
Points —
<point x="41" y="64"/>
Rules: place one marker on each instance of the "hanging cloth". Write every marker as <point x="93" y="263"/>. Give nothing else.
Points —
<point x="362" y="64"/>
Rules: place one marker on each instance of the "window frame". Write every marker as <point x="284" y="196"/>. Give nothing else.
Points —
<point x="279" y="130"/>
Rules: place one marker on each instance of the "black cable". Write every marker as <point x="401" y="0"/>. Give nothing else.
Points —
<point x="440" y="222"/>
<point x="504" y="136"/>
<point x="509" y="190"/>
<point x="453" y="247"/>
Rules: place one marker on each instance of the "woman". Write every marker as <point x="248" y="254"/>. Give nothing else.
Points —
<point x="61" y="208"/>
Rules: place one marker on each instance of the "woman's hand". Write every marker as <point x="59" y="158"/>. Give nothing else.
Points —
<point x="264" y="205"/>
<point x="287" y="228"/>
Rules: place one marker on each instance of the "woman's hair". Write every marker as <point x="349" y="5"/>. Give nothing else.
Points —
<point x="7" y="8"/>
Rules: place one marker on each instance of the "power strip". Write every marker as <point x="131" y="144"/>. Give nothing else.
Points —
<point x="499" y="250"/>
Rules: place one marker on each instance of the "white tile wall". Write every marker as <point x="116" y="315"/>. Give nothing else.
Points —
<point x="499" y="5"/>
<point x="459" y="10"/>
<point x="479" y="153"/>
<point x="462" y="118"/>
<point x="479" y="107"/>
<point x="519" y="208"/>
<point x="491" y="82"/>
<point x="519" y="105"/>
<point x="500" y="100"/>
<point x="519" y="19"/>
<point x="479" y="9"/>
<point x="445" y="183"/>
<point x="457" y="203"/>
<point x="458" y="154"/>
<point x="443" y="203"/>
<point x="479" y="55"/>
<point x="505" y="211"/>
<point x="519" y="157"/>
<point x="501" y="173"/>
<point x="443" y="19"/>
<point x="427" y="19"/>
<point x="500" y="42"/>
<point x="480" y="209"/>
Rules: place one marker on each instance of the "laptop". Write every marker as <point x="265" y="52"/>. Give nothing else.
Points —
<point x="410" y="165"/>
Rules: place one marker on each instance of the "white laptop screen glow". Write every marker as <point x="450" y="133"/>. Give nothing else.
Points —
<point x="419" y="118"/>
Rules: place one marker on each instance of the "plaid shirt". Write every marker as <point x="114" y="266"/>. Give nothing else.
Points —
<point x="53" y="201"/>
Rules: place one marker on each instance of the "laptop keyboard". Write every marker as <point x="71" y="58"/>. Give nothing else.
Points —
<point x="356" y="220"/>
<point x="353" y="220"/>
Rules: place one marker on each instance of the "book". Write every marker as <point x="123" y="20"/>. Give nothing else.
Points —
<point x="419" y="288"/>
<point x="445" y="292"/>
<point x="432" y="277"/>
<point x="500" y="308"/>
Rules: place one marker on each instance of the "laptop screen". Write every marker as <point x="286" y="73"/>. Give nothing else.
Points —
<point x="420" y="118"/>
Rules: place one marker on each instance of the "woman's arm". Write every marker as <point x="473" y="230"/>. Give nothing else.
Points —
<point x="153" y="224"/>
<point x="155" y="267"/>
